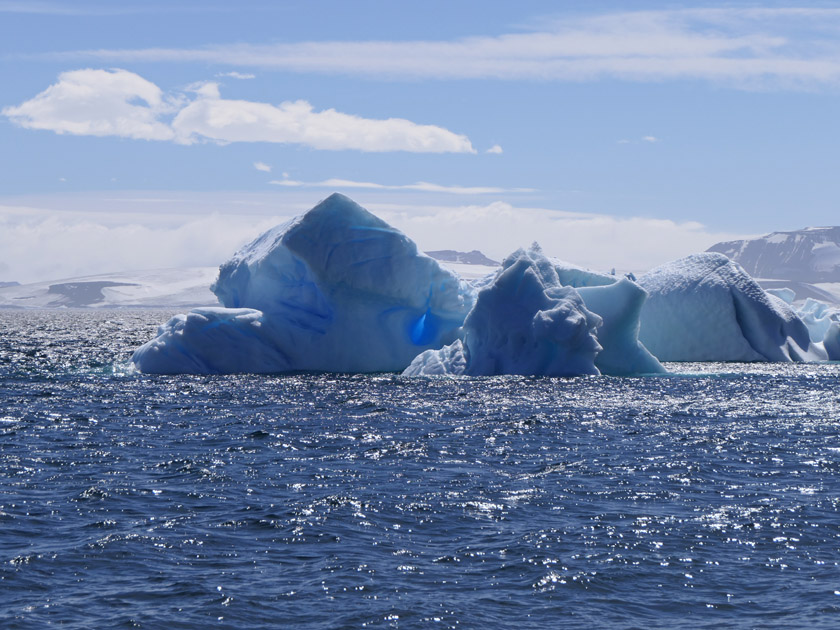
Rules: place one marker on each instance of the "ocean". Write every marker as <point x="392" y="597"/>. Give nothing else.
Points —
<point x="703" y="499"/>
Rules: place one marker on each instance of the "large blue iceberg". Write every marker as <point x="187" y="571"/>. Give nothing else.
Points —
<point x="705" y="307"/>
<point x="336" y="289"/>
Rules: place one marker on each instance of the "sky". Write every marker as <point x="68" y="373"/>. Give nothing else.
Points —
<point x="616" y="134"/>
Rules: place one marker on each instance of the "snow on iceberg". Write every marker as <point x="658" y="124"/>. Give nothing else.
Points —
<point x="336" y="290"/>
<point x="705" y="307"/>
<point x="531" y="320"/>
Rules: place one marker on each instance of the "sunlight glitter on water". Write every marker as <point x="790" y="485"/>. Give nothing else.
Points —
<point x="330" y="501"/>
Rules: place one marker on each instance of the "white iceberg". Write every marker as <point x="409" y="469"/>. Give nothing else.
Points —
<point x="531" y="320"/>
<point x="620" y="305"/>
<point x="705" y="307"/>
<point x="336" y="290"/>
<point x="821" y="319"/>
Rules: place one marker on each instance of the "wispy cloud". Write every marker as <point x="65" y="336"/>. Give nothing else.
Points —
<point x="121" y="103"/>
<point x="647" y="139"/>
<point x="340" y="184"/>
<point x="63" y="7"/>
<point x="55" y="8"/>
<point x="262" y="166"/>
<point x="782" y="47"/>
<point x="237" y="75"/>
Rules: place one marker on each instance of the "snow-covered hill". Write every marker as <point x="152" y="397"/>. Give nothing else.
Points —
<point x="153" y="288"/>
<point x="811" y="255"/>
<point x="474" y="257"/>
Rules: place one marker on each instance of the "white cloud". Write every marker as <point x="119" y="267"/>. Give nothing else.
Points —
<point x="97" y="103"/>
<point x="595" y="241"/>
<point x="121" y="103"/>
<point x="744" y="48"/>
<point x="223" y="120"/>
<point x="496" y="149"/>
<point x="262" y="166"/>
<point x="60" y="236"/>
<point x="650" y="139"/>
<point x="339" y="184"/>
<point x="37" y="244"/>
<point x="237" y="75"/>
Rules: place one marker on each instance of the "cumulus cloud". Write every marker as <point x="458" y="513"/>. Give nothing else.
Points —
<point x="744" y="48"/>
<point x="340" y="184"/>
<point x="97" y="103"/>
<point x="211" y="117"/>
<point x="121" y="103"/>
<point x="497" y="149"/>
<point x="262" y="166"/>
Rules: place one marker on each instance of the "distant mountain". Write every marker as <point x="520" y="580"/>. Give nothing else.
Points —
<point x="810" y="255"/>
<point x="474" y="257"/>
<point x="9" y="284"/>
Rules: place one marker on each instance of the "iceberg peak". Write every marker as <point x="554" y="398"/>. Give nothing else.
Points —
<point x="336" y="289"/>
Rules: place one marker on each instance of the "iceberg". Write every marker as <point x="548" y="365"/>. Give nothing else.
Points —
<point x="546" y="318"/>
<point x="821" y="319"/>
<point x="336" y="289"/>
<point x="705" y="307"/>
<point x="620" y="307"/>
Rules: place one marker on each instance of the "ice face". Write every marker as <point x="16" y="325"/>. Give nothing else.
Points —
<point x="525" y="322"/>
<point x="532" y="320"/>
<point x="818" y="317"/>
<point x="707" y="308"/>
<point x="335" y="290"/>
<point x="823" y="323"/>
<point x="619" y="305"/>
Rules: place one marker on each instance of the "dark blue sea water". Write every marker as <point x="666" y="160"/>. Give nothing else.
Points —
<point x="706" y="500"/>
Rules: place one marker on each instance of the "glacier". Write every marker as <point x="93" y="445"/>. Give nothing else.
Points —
<point x="705" y="307"/>
<point x="546" y="318"/>
<point x="336" y="289"/>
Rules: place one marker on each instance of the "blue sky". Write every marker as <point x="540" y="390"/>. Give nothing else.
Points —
<point x="618" y="134"/>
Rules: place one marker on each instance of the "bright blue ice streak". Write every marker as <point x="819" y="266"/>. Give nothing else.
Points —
<point x="333" y="502"/>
